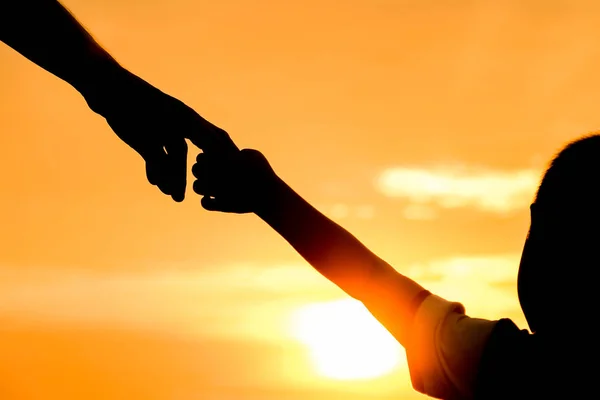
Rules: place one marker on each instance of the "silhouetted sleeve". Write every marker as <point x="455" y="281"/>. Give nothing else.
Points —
<point x="519" y="365"/>
<point x="445" y="349"/>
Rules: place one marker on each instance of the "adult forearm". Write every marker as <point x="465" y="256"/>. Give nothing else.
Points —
<point x="47" y="34"/>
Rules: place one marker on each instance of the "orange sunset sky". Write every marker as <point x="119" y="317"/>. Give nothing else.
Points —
<point x="423" y="127"/>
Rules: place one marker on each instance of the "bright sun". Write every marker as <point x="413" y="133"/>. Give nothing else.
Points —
<point x="345" y="341"/>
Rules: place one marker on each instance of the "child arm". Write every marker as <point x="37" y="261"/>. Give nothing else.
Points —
<point x="443" y="345"/>
<point x="339" y="256"/>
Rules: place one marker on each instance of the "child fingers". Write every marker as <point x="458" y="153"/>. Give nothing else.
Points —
<point x="214" y="173"/>
<point x="204" y="184"/>
<point x="200" y="165"/>
<point x="201" y="187"/>
<point x="215" y="204"/>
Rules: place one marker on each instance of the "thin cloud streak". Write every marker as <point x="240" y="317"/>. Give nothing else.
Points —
<point x="461" y="186"/>
<point x="233" y="300"/>
<point x="486" y="285"/>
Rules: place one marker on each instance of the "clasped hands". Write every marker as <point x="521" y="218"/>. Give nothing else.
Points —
<point x="156" y="125"/>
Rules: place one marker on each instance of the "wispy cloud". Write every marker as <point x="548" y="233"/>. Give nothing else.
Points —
<point x="486" y="285"/>
<point x="233" y="300"/>
<point x="459" y="186"/>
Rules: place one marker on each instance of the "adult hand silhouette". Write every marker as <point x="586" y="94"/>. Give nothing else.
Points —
<point x="156" y="125"/>
<point x="153" y="123"/>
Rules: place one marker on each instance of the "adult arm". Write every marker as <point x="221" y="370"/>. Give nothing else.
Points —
<point x="46" y="33"/>
<point x="148" y="120"/>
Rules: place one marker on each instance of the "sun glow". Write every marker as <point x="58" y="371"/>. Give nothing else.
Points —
<point x="345" y="341"/>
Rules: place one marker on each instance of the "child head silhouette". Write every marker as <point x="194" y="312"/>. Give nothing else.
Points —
<point x="561" y="253"/>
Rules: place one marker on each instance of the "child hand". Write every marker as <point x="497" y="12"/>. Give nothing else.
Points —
<point x="236" y="182"/>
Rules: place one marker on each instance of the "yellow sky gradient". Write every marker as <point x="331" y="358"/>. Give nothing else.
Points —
<point x="421" y="126"/>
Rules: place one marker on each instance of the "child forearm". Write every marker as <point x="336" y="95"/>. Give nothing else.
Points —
<point x="341" y="258"/>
